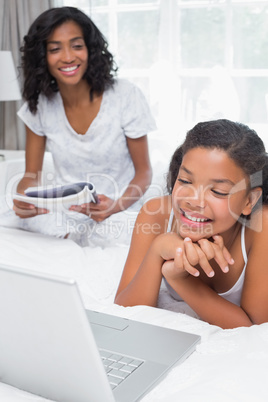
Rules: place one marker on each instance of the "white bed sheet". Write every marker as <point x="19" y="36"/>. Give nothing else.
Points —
<point x="228" y="365"/>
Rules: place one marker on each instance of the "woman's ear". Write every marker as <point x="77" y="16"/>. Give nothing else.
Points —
<point x="253" y="198"/>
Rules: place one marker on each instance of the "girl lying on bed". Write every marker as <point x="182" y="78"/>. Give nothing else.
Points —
<point x="208" y="238"/>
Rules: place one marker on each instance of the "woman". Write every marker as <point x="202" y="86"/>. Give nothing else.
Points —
<point x="94" y="125"/>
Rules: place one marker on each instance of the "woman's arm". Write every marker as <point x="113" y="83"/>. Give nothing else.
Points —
<point x="138" y="149"/>
<point x="35" y="150"/>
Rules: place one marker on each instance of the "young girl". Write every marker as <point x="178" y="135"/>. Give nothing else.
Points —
<point x="94" y="125"/>
<point x="208" y="239"/>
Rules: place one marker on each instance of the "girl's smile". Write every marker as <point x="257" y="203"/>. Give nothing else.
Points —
<point x="193" y="217"/>
<point x="203" y="199"/>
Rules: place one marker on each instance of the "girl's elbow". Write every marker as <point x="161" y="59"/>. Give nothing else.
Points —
<point x="120" y="300"/>
<point x="149" y="175"/>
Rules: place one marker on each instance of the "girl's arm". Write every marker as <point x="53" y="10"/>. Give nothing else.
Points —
<point x="141" y="278"/>
<point x="35" y="150"/>
<point x="138" y="149"/>
<point x="255" y="291"/>
<point x="254" y="301"/>
<point x="209" y="306"/>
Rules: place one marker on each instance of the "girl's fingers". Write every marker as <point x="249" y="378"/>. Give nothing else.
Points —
<point x="174" y="268"/>
<point x="182" y="265"/>
<point x="207" y="247"/>
<point x="219" y="240"/>
<point x="222" y="254"/>
<point x="200" y="254"/>
<point x="205" y="265"/>
<point x="191" y="252"/>
<point x="178" y="260"/>
<point x="214" y="251"/>
<point x="196" y="255"/>
<point x="190" y="257"/>
<point x="228" y="256"/>
<point x="189" y="268"/>
<point x="217" y="251"/>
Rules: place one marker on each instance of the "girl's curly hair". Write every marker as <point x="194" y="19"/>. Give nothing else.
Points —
<point x="37" y="79"/>
<point x="242" y="145"/>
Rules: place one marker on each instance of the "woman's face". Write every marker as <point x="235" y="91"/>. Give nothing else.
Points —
<point x="67" y="54"/>
<point x="210" y="194"/>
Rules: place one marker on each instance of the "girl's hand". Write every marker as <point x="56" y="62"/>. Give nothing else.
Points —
<point x="97" y="211"/>
<point x="216" y="250"/>
<point x="186" y="258"/>
<point x="25" y="210"/>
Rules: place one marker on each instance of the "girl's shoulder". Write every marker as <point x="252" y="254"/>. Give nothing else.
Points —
<point x="153" y="218"/>
<point x="162" y="205"/>
<point x="257" y="227"/>
<point x="156" y="211"/>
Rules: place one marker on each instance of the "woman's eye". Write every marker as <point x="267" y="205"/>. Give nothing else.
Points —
<point x="53" y="50"/>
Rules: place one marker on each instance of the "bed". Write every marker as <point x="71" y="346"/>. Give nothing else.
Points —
<point x="228" y="365"/>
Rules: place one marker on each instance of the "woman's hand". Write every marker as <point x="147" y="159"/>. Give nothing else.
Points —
<point x="25" y="210"/>
<point x="99" y="211"/>
<point x="190" y="255"/>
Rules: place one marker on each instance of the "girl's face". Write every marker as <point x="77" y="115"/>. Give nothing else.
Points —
<point x="210" y="194"/>
<point x="67" y="54"/>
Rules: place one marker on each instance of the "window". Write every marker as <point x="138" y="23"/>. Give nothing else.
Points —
<point x="194" y="60"/>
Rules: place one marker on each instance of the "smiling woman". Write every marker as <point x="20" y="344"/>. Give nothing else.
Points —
<point x="211" y="245"/>
<point x="94" y="125"/>
<point x="67" y="54"/>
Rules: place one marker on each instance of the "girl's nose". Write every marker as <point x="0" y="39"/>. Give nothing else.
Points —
<point x="197" y="198"/>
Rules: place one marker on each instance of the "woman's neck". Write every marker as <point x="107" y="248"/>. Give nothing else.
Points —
<point x="73" y="96"/>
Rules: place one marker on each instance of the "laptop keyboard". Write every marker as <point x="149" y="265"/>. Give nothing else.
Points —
<point x="118" y="367"/>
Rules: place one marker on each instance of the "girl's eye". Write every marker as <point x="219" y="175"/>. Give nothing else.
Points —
<point x="77" y="46"/>
<point x="184" y="181"/>
<point x="220" y="193"/>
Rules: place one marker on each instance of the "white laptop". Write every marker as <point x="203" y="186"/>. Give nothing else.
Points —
<point x="51" y="346"/>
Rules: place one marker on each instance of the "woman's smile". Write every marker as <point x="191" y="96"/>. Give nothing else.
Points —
<point x="70" y="70"/>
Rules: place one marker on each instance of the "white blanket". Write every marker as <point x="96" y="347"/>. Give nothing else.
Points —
<point x="228" y="365"/>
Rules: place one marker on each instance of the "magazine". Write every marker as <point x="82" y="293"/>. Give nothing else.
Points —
<point x="57" y="197"/>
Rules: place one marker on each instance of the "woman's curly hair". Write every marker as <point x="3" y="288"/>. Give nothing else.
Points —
<point x="37" y="79"/>
<point x="242" y="145"/>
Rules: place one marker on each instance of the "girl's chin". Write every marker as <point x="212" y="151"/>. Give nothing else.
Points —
<point x="196" y="239"/>
<point x="196" y="235"/>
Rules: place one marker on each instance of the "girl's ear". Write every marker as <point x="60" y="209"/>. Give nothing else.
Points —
<point x="252" y="200"/>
